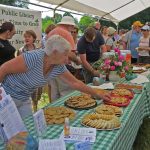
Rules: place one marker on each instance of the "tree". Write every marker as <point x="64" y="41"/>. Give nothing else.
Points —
<point x="143" y="16"/>
<point x="46" y="22"/>
<point x="85" y="21"/>
<point x="17" y="3"/>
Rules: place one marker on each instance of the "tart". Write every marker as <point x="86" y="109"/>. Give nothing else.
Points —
<point x="119" y="101"/>
<point x="108" y="110"/>
<point x="128" y="86"/>
<point x="100" y="121"/>
<point x="123" y="93"/>
<point x="81" y="102"/>
<point x="57" y="115"/>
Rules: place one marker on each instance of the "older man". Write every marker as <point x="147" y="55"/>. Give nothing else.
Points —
<point x="58" y="87"/>
<point x="132" y="40"/>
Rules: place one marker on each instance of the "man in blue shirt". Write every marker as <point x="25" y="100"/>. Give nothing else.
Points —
<point x="132" y="40"/>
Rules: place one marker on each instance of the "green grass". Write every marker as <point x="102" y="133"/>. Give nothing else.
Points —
<point x="142" y="141"/>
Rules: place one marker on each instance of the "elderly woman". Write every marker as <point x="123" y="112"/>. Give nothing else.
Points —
<point x="23" y="74"/>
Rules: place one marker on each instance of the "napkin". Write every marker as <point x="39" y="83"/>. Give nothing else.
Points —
<point x="145" y="73"/>
<point x="138" y="68"/>
<point x="140" y="79"/>
<point x="104" y="86"/>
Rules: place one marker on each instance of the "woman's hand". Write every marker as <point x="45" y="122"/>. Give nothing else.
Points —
<point x="105" y="97"/>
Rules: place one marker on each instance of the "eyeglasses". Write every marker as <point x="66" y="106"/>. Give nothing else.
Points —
<point x="73" y="32"/>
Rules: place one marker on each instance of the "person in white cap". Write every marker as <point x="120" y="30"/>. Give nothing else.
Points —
<point x="110" y="44"/>
<point x="58" y="88"/>
<point x="144" y="46"/>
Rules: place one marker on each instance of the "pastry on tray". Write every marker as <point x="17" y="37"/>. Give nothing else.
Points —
<point x="119" y="101"/>
<point x="108" y="110"/>
<point x="81" y="102"/>
<point x="122" y="92"/>
<point x="101" y="122"/>
<point x="57" y="115"/>
<point x="128" y="86"/>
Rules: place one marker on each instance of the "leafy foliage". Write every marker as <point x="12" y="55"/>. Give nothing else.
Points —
<point x="143" y="16"/>
<point x="17" y="3"/>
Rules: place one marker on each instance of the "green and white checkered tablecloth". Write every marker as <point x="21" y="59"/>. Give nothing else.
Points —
<point x="121" y="139"/>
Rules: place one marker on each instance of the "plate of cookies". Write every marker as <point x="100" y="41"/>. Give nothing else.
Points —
<point x="81" y="102"/>
<point x="57" y="115"/>
<point x="101" y="121"/>
<point x="109" y="110"/>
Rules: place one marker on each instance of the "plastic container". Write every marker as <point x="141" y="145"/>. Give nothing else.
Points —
<point x="127" y="54"/>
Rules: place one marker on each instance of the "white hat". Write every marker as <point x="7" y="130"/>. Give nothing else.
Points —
<point x="145" y="27"/>
<point x="111" y="30"/>
<point x="67" y="20"/>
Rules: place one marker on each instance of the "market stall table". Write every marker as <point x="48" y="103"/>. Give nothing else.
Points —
<point x="122" y="138"/>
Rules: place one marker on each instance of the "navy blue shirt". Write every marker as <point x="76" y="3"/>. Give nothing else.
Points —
<point x="92" y="50"/>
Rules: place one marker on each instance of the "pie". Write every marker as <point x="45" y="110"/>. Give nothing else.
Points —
<point x="57" y="115"/>
<point x="101" y="91"/>
<point x="100" y="121"/>
<point x="108" y="110"/>
<point x="122" y="92"/>
<point x="80" y="102"/>
<point x="128" y="86"/>
<point x="118" y="101"/>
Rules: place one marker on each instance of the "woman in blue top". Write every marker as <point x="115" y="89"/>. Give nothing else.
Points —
<point x="23" y="74"/>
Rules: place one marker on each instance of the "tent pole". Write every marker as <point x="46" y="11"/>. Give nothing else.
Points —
<point x="56" y="9"/>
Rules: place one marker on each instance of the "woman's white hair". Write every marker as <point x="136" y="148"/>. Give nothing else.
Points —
<point x="56" y="42"/>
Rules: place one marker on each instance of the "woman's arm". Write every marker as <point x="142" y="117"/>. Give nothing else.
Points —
<point x="16" y="65"/>
<point x="79" y="85"/>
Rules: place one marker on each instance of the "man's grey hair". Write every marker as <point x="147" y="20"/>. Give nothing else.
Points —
<point x="56" y="42"/>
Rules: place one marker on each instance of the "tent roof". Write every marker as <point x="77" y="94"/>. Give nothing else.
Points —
<point x="115" y="10"/>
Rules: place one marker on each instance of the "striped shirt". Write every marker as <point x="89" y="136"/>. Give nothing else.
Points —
<point x="20" y="86"/>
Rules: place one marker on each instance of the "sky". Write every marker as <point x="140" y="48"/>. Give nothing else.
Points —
<point x="48" y="12"/>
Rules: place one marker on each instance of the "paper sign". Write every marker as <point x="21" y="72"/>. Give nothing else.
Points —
<point x="55" y="144"/>
<point x="40" y="122"/>
<point x="10" y="119"/>
<point x="83" y="146"/>
<point x="81" y="135"/>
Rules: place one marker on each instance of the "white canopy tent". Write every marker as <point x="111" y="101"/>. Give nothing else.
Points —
<point x="115" y="10"/>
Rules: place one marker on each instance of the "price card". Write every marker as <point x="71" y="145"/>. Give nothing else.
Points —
<point x="10" y="119"/>
<point x="81" y="135"/>
<point x="54" y="144"/>
<point x="40" y="122"/>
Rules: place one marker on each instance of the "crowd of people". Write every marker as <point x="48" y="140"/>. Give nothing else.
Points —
<point x="24" y="76"/>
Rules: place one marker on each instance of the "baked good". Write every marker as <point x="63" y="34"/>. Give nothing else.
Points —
<point x="128" y="86"/>
<point x="108" y="110"/>
<point x="100" y="121"/>
<point x="122" y="92"/>
<point x="57" y="115"/>
<point x="80" y="102"/>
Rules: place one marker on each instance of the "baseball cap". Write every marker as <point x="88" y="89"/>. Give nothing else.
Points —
<point x="145" y="27"/>
<point x="137" y="24"/>
<point x="111" y="30"/>
<point x="67" y="20"/>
